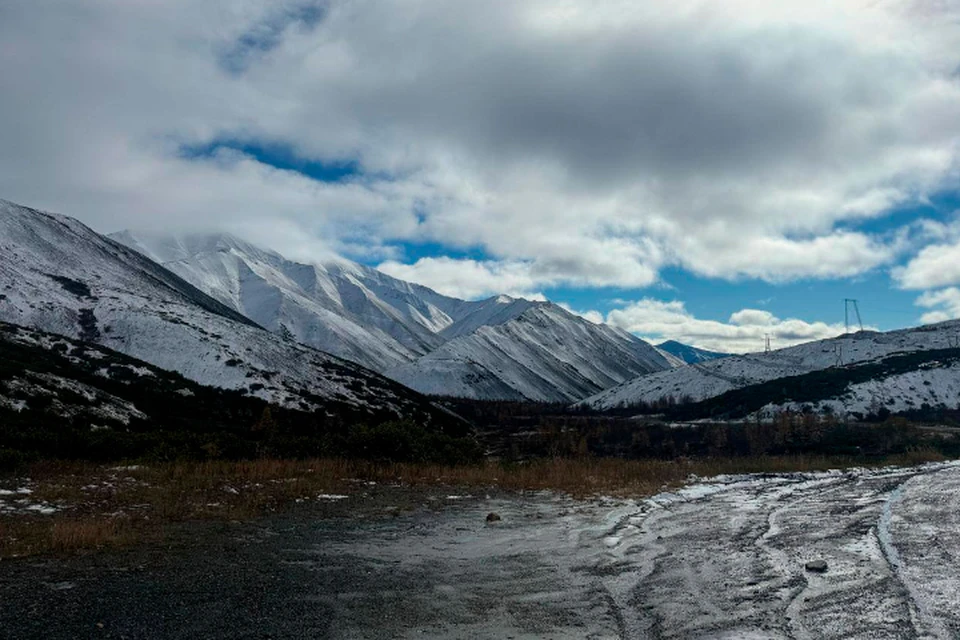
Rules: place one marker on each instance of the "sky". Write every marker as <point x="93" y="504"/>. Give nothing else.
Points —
<point x="711" y="172"/>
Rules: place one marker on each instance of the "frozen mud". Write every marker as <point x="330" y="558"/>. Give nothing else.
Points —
<point x="725" y="558"/>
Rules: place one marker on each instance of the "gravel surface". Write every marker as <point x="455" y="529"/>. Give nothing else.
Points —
<point x="725" y="558"/>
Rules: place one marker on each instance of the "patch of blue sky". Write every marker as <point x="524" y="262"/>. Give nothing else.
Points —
<point x="942" y="206"/>
<point x="415" y="250"/>
<point x="279" y="156"/>
<point x="881" y="305"/>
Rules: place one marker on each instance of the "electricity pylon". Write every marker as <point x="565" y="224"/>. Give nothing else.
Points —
<point x="847" y="303"/>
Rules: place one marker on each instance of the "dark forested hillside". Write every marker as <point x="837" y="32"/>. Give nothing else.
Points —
<point x="63" y="398"/>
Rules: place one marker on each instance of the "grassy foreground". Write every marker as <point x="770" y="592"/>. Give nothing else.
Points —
<point x="91" y="506"/>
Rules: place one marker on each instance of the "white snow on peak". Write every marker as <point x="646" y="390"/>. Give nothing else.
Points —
<point x="485" y="313"/>
<point x="542" y="353"/>
<point x="57" y="275"/>
<point x="341" y="307"/>
<point x="430" y="342"/>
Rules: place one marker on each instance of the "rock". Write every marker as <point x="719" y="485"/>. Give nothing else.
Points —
<point x="817" y="566"/>
<point x="493" y="517"/>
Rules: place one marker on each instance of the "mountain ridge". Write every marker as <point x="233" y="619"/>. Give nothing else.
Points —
<point x="59" y="276"/>
<point x="702" y="381"/>
<point x="688" y="353"/>
<point x="403" y="329"/>
<point x="574" y="358"/>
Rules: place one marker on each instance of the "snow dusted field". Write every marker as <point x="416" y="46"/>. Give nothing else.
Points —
<point x="722" y="558"/>
<point x="727" y="559"/>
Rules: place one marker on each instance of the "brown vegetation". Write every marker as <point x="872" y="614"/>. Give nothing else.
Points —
<point x="99" y="506"/>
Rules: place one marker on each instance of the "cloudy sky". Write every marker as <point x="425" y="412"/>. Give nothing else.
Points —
<point x="705" y="171"/>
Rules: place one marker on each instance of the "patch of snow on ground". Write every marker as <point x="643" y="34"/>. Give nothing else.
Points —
<point x="15" y="405"/>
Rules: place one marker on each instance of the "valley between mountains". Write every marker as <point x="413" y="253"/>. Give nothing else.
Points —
<point x="224" y="312"/>
<point x="384" y="461"/>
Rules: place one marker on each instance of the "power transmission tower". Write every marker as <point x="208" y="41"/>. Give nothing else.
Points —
<point x="847" y="303"/>
<point x="766" y="348"/>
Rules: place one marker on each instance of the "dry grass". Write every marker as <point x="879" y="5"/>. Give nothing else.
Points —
<point x="582" y="477"/>
<point x="32" y="535"/>
<point x="88" y="533"/>
<point x="102" y="506"/>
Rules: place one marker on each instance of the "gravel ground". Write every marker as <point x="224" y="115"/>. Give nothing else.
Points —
<point x="721" y="559"/>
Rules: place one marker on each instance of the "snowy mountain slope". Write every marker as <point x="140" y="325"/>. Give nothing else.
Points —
<point x="59" y="276"/>
<point x="543" y="353"/>
<point x="492" y="311"/>
<point x="341" y="307"/>
<point x="936" y="386"/>
<point x="439" y="344"/>
<point x="708" y="379"/>
<point x="64" y="398"/>
<point x="26" y="379"/>
<point x="690" y="355"/>
<point x="923" y="380"/>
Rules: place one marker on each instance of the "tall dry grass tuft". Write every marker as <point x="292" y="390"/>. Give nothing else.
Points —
<point x="87" y="533"/>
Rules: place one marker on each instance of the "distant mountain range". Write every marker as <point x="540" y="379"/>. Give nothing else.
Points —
<point x="498" y="348"/>
<point x="224" y="312"/>
<point x="690" y="355"/>
<point x="338" y="337"/>
<point x="536" y="351"/>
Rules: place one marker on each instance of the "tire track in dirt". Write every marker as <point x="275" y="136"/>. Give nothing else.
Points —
<point x="702" y="579"/>
<point x="794" y="581"/>
<point x="925" y="623"/>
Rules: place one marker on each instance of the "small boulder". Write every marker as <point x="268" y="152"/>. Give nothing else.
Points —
<point x="817" y="566"/>
<point x="493" y="517"/>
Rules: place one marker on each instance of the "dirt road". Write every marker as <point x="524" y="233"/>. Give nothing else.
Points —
<point x="721" y="559"/>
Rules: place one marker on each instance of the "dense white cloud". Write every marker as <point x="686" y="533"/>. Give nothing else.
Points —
<point x="936" y="265"/>
<point x="468" y="279"/>
<point x="945" y="305"/>
<point x="574" y="142"/>
<point x="746" y="330"/>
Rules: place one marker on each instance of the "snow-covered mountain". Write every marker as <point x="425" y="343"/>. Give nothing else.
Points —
<point x="709" y="379"/>
<point x="921" y="383"/>
<point x="539" y="351"/>
<point x="338" y="306"/>
<point x="57" y="275"/>
<point x="498" y="348"/>
<point x="689" y="354"/>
